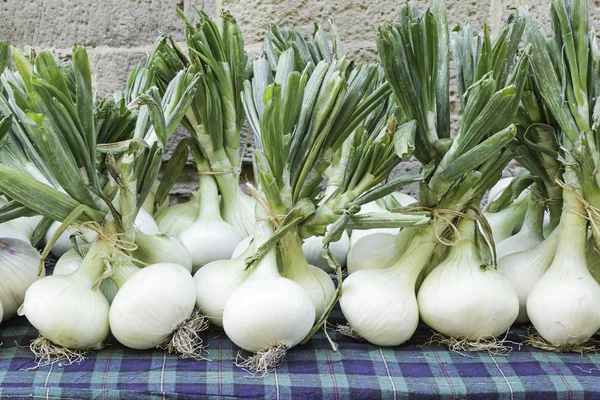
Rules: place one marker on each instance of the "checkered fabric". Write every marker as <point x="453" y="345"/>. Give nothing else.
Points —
<point x="313" y="371"/>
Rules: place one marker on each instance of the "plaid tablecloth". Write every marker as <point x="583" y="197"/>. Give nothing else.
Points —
<point x="313" y="371"/>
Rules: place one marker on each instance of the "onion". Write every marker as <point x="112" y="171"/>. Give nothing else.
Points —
<point x="531" y="233"/>
<point x="525" y="268"/>
<point x="159" y="248"/>
<point x="564" y="304"/>
<point x="19" y="263"/>
<point x="379" y="250"/>
<point x="216" y="281"/>
<point x="380" y="304"/>
<point x="314" y="280"/>
<point x="267" y="313"/>
<point x="151" y="305"/>
<point x="209" y="238"/>
<point x="462" y="299"/>
<point x="66" y="309"/>
<point x="315" y="253"/>
<point x="175" y="219"/>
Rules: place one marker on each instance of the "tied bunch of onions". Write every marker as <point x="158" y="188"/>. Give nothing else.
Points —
<point x="93" y="168"/>
<point x="461" y="294"/>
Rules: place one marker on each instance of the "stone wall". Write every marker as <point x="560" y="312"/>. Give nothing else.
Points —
<point x="118" y="33"/>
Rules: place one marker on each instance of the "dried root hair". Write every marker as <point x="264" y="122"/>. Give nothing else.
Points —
<point x="185" y="340"/>
<point x="492" y="345"/>
<point x="347" y="330"/>
<point x="263" y="361"/>
<point x="536" y="340"/>
<point x="48" y="353"/>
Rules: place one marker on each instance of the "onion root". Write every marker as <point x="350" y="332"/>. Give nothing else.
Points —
<point x="185" y="340"/>
<point x="589" y="346"/>
<point x="263" y="361"/>
<point x="493" y="345"/>
<point x="47" y="353"/>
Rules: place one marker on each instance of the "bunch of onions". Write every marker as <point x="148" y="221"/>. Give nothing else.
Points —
<point x="564" y="304"/>
<point x="380" y="305"/>
<point x="69" y="311"/>
<point x="215" y="137"/>
<point x="276" y="308"/>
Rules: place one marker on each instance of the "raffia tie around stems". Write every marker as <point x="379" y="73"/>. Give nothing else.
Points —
<point x="274" y="218"/>
<point x="438" y="214"/>
<point x="592" y="213"/>
<point x="115" y="240"/>
<point x="236" y="171"/>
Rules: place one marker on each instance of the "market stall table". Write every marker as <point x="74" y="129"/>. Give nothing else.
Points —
<point x="313" y="371"/>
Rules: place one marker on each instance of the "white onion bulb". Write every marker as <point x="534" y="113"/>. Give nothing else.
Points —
<point x="210" y="238"/>
<point x="216" y="281"/>
<point x="380" y="304"/>
<point x="267" y="310"/>
<point x="176" y="218"/>
<point x="151" y="305"/>
<point x="65" y="309"/>
<point x="462" y="299"/>
<point x="564" y="304"/>
<point x="19" y="263"/>
<point x="315" y="253"/>
<point x="525" y="268"/>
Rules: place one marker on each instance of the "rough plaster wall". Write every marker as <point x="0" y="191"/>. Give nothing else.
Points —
<point x="118" y="33"/>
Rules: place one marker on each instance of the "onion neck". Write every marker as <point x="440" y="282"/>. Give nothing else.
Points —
<point x="92" y="266"/>
<point x="465" y="241"/>
<point x="266" y="267"/>
<point x="534" y="218"/>
<point x="415" y="257"/>
<point x="122" y="271"/>
<point x="294" y="261"/>
<point x="229" y="187"/>
<point x="208" y="199"/>
<point x="572" y="233"/>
